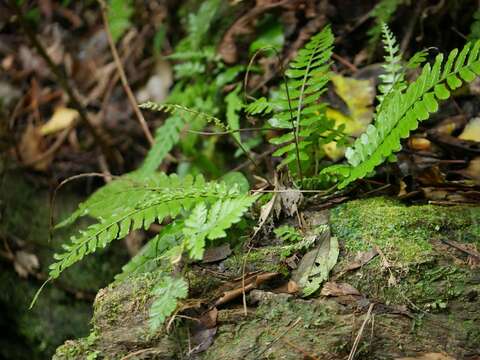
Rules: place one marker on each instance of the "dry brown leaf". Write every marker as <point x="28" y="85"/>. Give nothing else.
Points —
<point x="332" y="288"/>
<point x="362" y="258"/>
<point x="32" y="145"/>
<point x="25" y="263"/>
<point x="61" y="119"/>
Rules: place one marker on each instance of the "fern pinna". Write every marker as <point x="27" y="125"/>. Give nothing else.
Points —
<point x="199" y="211"/>
<point x="405" y="109"/>
<point x="298" y="109"/>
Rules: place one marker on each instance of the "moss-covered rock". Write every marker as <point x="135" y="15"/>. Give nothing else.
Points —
<point x="426" y="296"/>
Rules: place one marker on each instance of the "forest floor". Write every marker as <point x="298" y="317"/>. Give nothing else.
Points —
<point x="404" y="245"/>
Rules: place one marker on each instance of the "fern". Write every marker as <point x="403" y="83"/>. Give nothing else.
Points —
<point x="162" y="196"/>
<point x="299" y="110"/>
<point x="166" y="137"/>
<point x="288" y="234"/>
<point x="211" y="223"/>
<point x="119" y="13"/>
<point x="167" y="293"/>
<point x="382" y="13"/>
<point x="147" y="258"/>
<point x="393" y="76"/>
<point x="406" y="108"/>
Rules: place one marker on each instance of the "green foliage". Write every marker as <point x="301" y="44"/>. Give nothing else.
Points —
<point x="158" y="196"/>
<point x="405" y="109"/>
<point x="234" y="106"/>
<point x="204" y="223"/>
<point x="298" y="109"/>
<point x="382" y="13"/>
<point x="167" y="293"/>
<point x="393" y="76"/>
<point x="288" y="234"/>
<point x="475" y="26"/>
<point x="119" y="13"/>
<point x="157" y="249"/>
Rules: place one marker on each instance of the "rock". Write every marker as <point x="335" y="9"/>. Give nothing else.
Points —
<point x="431" y="306"/>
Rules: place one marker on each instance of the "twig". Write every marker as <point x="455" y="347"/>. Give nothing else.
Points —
<point x="123" y="77"/>
<point x="360" y="332"/>
<point x="63" y="82"/>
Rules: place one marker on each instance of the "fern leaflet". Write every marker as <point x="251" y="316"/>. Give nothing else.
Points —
<point x="168" y="197"/>
<point x="299" y="110"/>
<point x="167" y="293"/>
<point x="204" y="223"/>
<point x="406" y="109"/>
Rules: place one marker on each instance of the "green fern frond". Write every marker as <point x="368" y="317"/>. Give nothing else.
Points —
<point x="299" y="110"/>
<point x="166" y="295"/>
<point x="393" y="76"/>
<point x="288" y="234"/>
<point x="146" y="259"/>
<point x="406" y="109"/>
<point x="234" y="106"/>
<point x="382" y="13"/>
<point x="119" y="13"/>
<point x="163" y="196"/>
<point x="186" y="111"/>
<point x="210" y="223"/>
<point x="166" y="137"/>
<point x="260" y="106"/>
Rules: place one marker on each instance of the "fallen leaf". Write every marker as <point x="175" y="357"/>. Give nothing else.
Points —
<point x="471" y="131"/>
<point x="315" y="266"/>
<point x="25" y="263"/>
<point x="61" y="119"/>
<point x="32" y="145"/>
<point x="332" y="288"/>
<point x="360" y="259"/>
<point x="473" y="170"/>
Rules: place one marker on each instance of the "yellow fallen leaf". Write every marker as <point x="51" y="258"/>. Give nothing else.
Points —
<point x="358" y="95"/>
<point x="471" y="131"/>
<point x="61" y="119"/>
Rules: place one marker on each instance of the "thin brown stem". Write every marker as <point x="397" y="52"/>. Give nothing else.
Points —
<point x="123" y="77"/>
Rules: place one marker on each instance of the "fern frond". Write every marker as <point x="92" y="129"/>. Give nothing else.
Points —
<point x="166" y="295"/>
<point x="167" y="196"/>
<point x="166" y="137"/>
<point x="382" y="13"/>
<point x="234" y="106"/>
<point x="184" y="110"/>
<point x="146" y="259"/>
<point x="260" y="106"/>
<point x="393" y="76"/>
<point x="299" y="110"/>
<point x="210" y="223"/>
<point x="406" y="109"/>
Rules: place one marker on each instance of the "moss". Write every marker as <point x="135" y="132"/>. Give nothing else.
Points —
<point x="403" y="233"/>
<point x="260" y="259"/>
